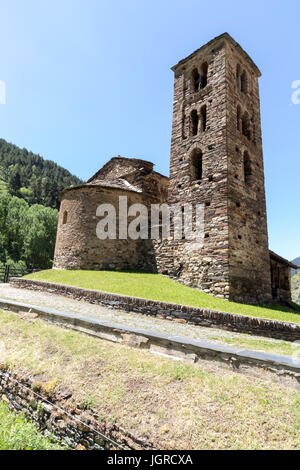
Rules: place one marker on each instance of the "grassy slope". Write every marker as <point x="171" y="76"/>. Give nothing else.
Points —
<point x="158" y="287"/>
<point x="259" y="344"/>
<point x="173" y="404"/>
<point x="17" y="433"/>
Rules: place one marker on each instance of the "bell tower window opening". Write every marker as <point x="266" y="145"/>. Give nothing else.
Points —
<point x="203" y="74"/>
<point x="203" y="118"/>
<point x="194" y="123"/>
<point x="238" y="77"/>
<point x="196" y="165"/>
<point x="244" y="83"/>
<point x="238" y="118"/>
<point x="246" y="126"/>
<point x="195" y="79"/>
<point x="247" y="168"/>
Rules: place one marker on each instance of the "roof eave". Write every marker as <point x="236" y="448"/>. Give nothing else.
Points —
<point x="283" y="260"/>
<point x="223" y="36"/>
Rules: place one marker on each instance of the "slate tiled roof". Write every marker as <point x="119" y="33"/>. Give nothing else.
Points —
<point x="118" y="183"/>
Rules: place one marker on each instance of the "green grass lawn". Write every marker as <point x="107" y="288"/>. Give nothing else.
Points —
<point x="159" y="287"/>
<point x="17" y="433"/>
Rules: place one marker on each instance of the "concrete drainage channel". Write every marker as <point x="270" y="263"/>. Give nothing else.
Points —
<point x="175" y="347"/>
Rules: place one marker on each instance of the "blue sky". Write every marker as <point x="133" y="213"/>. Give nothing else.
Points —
<point x="90" y="79"/>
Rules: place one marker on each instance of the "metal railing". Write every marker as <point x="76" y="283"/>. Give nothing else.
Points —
<point x="7" y="271"/>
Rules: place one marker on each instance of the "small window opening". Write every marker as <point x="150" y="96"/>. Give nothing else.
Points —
<point x="238" y="77"/>
<point x="203" y="118"/>
<point x="195" y="80"/>
<point x="196" y="164"/>
<point x="246" y="126"/>
<point x="203" y="79"/>
<point x="244" y="82"/>
<point x="65" y="217"/>
<point x="194" y="122"/>
<point x="238" y="118"/>
<point x="247" y="168"/>
<point x="183" y="126"/>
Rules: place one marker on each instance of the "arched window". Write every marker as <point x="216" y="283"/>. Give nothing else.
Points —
<point x="247" y="168"/>
<point x="238" y="77"/>
<point x="194" y="122"/>
<point x="195" y="80"/>
<point x="203" y="74"/>
<point x="244" y="82"/>
<point x="246" y="126"/>
<point x="238" y="118"/>
<point x="65" y="217"/>
<point x="196" y="165"/>
<point x="203" y="118"/>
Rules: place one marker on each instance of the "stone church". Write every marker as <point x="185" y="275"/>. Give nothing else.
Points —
<point x="216" y="160"/>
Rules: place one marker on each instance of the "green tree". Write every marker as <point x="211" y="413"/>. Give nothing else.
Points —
<point x="27" y="194"/>
<point x="17" y="211"/>
<point x="14" y="180"/>
<point x="40" y="224"/>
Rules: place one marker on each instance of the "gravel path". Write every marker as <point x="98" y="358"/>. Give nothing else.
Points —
<point x="64" y="304"/>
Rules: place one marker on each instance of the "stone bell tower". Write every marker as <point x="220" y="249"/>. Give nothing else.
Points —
<point x="217" y="160"/>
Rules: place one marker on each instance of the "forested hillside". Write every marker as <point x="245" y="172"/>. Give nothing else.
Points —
<point x="296" y="261"/>
<point x="30" y="177"/>
<point x="29" y="190"/>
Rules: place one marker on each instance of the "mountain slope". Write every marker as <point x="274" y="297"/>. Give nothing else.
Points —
<point x="296" y="261"/>
<point x="29" y="176"/>
<point x="296" y="288"/>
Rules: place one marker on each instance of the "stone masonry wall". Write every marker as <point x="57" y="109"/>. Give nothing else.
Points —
<point x="77" y="245"/>
<point x="249" y="260"/>
<point x="207" y="268"/>
<point x="234" y="262"/>
<point x="61" y="416"/>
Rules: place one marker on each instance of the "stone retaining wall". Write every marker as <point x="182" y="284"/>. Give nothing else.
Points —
<point x="194" y="315"/>
<point x="60" y="416"/>
<point x="175" y="347"/>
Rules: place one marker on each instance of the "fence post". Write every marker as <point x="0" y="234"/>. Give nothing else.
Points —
<point x="6" y="274"/>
